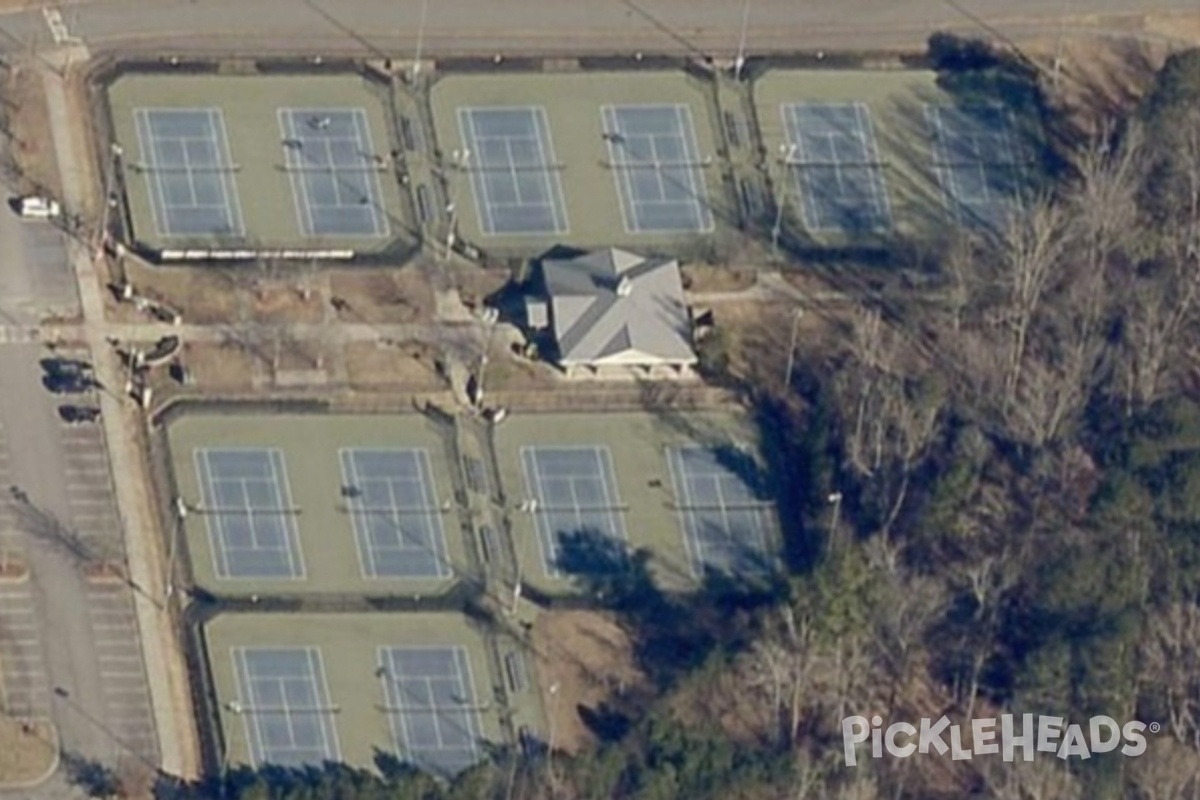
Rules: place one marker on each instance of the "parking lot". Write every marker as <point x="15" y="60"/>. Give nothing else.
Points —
<point x="69" y="645"/>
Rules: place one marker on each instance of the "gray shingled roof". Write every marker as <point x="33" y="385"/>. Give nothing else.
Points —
<point x="595" y="323"/>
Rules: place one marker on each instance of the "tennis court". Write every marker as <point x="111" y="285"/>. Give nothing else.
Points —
<point x="586" y="159"/>
<point x="514" y="177"/>
<point x="334" y="171"/>
<point x="309" y="503"/>
<point x="849" y="156"/>
<point x="837" y="174"/>
<point x="283" y="700"/>
<point x="432" y="706"/>
<point x="396" y="514"/>
<point x="722" y="513"/>
<point x="184" y="156"/>
<point x="427" y="687"/>
<point x="657" y="166"/>
<point x="247" y="505"/>
<point x="258" y="162"/>
<point x="977" y="161"/>
<point x="584" y="491"/>
<point x="572" y="491"/>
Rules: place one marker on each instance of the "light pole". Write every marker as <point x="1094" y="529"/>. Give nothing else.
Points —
<point x="416" y="70"/>
<point x="490" y="316"/>
<point x="461" y="161"/>
<point x="740" y="61"/>
<point x="788" y="151"/>
<point x="836" y="499"/>
<point x="554" y="687"/>
<point x="791" y="359"/>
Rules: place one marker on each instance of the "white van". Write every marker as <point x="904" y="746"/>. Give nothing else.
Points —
<point x="38" y="208"/>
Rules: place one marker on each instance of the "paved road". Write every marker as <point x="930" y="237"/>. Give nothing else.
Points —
<point x="566" y="26"/>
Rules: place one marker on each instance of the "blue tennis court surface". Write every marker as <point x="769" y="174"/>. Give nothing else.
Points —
<point x="514" y="177"/>
<point x="248" y="508"/>
<point x="431" y="703"/>
<point x="189" y="171"/>
<point x="397" y="521"/>
<point x="285" y="706"/>
<point x="334" y="171"/>
<point x="723" y="515"/>
<point x="977" y="162"/>
<point x="575" y="494"/>
<point x="835" y="167"/>
<point x="654" y="155"/>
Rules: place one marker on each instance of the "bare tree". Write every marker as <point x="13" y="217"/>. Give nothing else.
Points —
<point x="1040" y="779"/>
<point x="1033" y="250"/>
<point x="895" y="417"/>
<point x="1171" y="659"/>
<point x="1167" y="770"/>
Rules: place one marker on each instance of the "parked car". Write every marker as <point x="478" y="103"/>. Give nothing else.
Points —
<point x="76" y="415"/>
<point x="67" y="375"/>
<point x="34" y="207"/>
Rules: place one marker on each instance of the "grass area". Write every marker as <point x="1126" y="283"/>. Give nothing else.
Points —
<point x="219" y="367"/>
<point x="28" y="751"/>
<point x="408" y="367"/>
<point x="381" y="296"/>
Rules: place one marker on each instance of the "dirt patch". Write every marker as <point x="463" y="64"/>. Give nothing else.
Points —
<point x="1098" y="80"/>
<point x="28" y="128"/>
<point x="28" y="750"/>
<point x="702" y="278"/>
<point x="407" y="366"/>
<point x="220" y="367"/>
<point x="475" y="285"/>
<point x="285" y="302"/>
<point x="512" y="373"/>
<point x="587" y="659"/>
<point x="381" y="296"/>
<point x="203" y="295"/>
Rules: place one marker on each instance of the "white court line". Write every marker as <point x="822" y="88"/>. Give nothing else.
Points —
<point x="229" y="189"/>
<point x="362" y="135"/>
<point x="283" y="492"/>
<point x="146" y="142"/>
<point x="547" y="547"/>
<point x="684" y="499"/>
<point x="483" y="210"/>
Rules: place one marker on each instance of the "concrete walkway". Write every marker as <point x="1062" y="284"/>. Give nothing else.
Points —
<point x="165" y="666"/>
